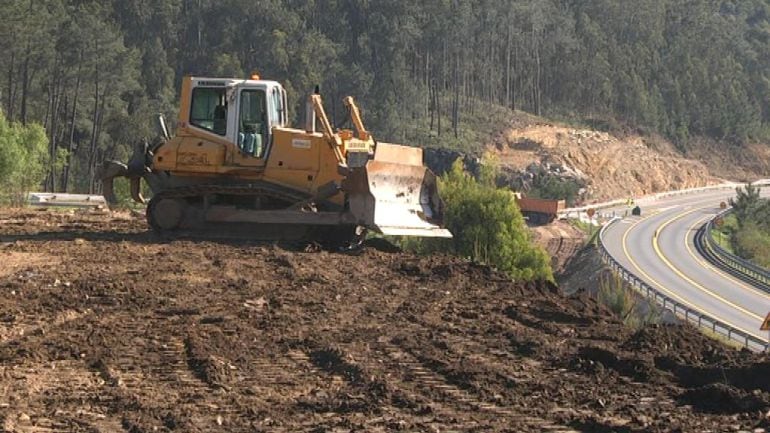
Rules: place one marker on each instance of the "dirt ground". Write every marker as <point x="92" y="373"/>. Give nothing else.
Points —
<point x="105" y="328"/>
<point x="561" y="240"/>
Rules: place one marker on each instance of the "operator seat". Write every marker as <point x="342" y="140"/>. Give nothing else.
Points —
<point x="220" y="119"/>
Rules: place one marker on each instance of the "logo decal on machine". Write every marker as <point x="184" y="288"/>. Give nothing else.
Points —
<point x="300" y="143"/>
<point x="190" y="158"/>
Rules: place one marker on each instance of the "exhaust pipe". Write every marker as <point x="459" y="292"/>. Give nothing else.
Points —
<point x="309" y="116"/>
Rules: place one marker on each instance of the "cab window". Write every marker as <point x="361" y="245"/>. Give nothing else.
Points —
<point x="209" y="109"/>
<point x="252" y="123"/>
<point x="277" y="107"/>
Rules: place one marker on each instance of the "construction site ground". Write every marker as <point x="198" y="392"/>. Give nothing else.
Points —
<point x="106" y="327"/>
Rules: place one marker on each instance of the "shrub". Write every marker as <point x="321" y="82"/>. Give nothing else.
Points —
<point x="745" y="203"/>
<point x="615" y="294"/>
<point x="487" y="226"/>
<point x="23" y="160"/>
<point x="751" y="236"/>
<point x="753" y="243"/>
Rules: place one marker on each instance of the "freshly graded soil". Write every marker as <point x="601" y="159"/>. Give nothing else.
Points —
<point x="105" y="327"/>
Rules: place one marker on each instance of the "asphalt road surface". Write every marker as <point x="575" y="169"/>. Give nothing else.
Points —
<point x="658" y="248"/>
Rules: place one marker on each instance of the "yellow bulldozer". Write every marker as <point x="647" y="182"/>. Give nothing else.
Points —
<point x="235" y="168"/>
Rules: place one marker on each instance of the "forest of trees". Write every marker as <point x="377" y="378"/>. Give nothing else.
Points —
<point x="93" y="73"/>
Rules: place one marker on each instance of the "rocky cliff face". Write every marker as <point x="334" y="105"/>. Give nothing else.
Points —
<point x="611" y="167"/>
<point x="597" y="165"/>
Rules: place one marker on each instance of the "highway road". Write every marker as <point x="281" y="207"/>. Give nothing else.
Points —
<point x="658" y="248"/>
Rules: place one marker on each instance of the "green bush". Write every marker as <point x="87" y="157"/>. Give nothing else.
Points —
<point x="487" y="226"/>
<point x="753" y="243"/>
<point x="750" y="236"/>
<point x="745" y="203"/>
<point x="122" y="189"/>
<point x="24" y="160"/>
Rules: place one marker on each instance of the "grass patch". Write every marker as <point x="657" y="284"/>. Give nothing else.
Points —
<point x="721" y="338"/>
<point x="722" y="239"/>
<point x="591" y="231"/>
<point x="625" y="303"/>
<point x="723" y="234"/>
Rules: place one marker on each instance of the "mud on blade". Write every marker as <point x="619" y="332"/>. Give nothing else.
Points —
<point x="397" y="195"/>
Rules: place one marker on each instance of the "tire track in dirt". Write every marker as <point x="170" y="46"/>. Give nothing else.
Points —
<point x="31" y="325"/>
<point x="83" y="409"/>
<point x="181" y="369"/>
<point x="145" y="369"/>
<point x="428" y="377"/>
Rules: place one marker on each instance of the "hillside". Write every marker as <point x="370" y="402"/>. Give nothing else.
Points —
<point x="202" y="336"/>
<point x="420" y="70"/>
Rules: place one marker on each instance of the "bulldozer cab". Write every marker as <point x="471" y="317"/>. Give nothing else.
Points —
<point x="240" y="112"/>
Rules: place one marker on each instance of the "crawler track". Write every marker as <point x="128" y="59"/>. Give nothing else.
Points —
<point x="257" y="196"/>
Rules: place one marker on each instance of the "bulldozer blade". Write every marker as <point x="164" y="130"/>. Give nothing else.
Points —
<point x="396" y="195"/>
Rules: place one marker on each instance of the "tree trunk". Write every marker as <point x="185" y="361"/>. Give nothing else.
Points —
<point x="432" y="104"/>
<point x="508" y="67"/>
<point x="456" y="98"/>
<point x="55" y="117"/>
<point x="71" y="144"/>
<point x="9" y="104"/>
<point x="95" y="121"/>
<point x="515" y="68"/>
<point x="438" y="109"/>
<point x="25" y="85"/>
<point x="96" y="159"/>
<point x="537" y="86"/>
<point x="49" y="105"/>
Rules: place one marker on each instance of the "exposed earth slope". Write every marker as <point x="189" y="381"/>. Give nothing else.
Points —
<point x="105" y="328"/>
<point x="612" y="167"/>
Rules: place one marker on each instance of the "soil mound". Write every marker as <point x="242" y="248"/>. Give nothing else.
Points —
<point x="721" y="398"/>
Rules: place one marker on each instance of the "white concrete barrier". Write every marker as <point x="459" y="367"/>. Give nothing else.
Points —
<point x="67" y="200"/>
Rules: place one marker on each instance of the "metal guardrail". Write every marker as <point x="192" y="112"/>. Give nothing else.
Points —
<point x="577" y="211"/>
<point x="718" y="256"/>
<point x="656" y="196"/>
<point x="682" y="311"/>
